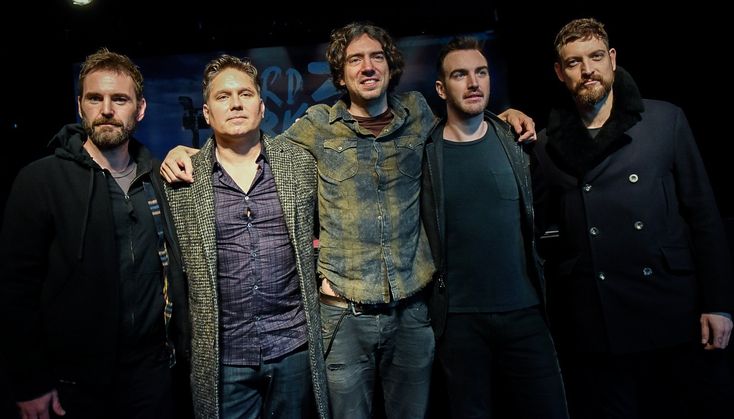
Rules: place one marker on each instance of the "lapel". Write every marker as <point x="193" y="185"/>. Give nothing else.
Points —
<point x="203" y="190"/>
<point x="281" y="164"/>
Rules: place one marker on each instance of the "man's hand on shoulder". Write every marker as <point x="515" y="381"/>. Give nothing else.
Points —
<point x="176" y="167"/>
<point x="523" y="125"/>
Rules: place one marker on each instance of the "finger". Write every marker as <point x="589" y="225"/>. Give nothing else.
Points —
<point x="704" y="332"/>
<point x="56" y="404"/>
<point x="167" y="174"/>
<point x="516" y="125"/>
<point x="188" y="169"/>
<point x="527" y="136"/>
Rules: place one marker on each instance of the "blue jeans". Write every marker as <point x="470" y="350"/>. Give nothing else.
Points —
<point x="511" y="353"/>
<point x="279" y="388"/>
<point x="394" y="346"/>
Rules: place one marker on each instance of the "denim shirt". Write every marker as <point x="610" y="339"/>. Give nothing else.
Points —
<point x="373" y="247"/>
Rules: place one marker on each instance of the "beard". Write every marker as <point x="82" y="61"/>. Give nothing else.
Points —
<point x="589" y="97"/>
<point x="107" y="139"/>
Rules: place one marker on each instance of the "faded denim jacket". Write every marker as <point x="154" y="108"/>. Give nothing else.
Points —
<point x="373" y="246"/>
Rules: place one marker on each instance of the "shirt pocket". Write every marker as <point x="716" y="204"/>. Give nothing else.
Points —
<point x="506" y="184"/>
<point x="410" y="156"/>
<point x="339" y="160"/>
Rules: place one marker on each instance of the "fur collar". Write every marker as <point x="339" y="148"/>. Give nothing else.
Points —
<point x="569" y="143"/>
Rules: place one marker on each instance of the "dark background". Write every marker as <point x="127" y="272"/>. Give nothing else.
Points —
<point x="676" y="54"/>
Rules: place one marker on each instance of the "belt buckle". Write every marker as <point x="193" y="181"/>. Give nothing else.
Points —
<point x="355" y="311"/>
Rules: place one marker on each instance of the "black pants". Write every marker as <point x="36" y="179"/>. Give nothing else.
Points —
<point x="673" y="383"/>
<point x="511" y="354"/>
<point x="142" y="390"/>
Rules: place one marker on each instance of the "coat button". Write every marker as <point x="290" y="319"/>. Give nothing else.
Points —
<point x="587" y="188"/>
<point x="647" y="271"/>
<point x="634" y="178"/>
<point x="601" y="276"/>
<point x="594" y="231"/>
<point x="639" y="225"/>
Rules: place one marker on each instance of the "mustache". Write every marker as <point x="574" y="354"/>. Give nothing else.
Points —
<point x="107" y="121"/>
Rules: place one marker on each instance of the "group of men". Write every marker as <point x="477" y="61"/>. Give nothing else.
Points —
<point x="427" y="242"/>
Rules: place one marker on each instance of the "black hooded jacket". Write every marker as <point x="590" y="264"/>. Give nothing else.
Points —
<point x="60" y="290"/>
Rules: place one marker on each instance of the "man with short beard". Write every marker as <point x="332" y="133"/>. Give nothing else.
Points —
<point x="644" y="273"/>
<point x="92" y="294"/>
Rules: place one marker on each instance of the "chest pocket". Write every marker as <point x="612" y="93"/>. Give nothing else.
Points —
<point x="339" y="159"/>
<point x="506" y="184"/>
<point x="410" y="156"/>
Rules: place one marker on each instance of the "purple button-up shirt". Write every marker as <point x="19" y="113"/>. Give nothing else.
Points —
<point x="261" y="312"/>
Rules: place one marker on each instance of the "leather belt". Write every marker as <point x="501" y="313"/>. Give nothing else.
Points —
<point x="358" y="308"/>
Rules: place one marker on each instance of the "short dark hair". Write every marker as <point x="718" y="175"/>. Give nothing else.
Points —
<point x="224" y="61"/>
<point x="585" y="28"/>
<point x="458" y="43"/>
<point x="104" y="59"/>
<point x="337" y="50"/>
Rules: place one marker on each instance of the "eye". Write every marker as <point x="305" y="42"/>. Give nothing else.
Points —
<point x="598" y="56"/>
<point x="571" y="63"/>
<point x="458" y="75"/>
<point x="120" y="100"/>
<point x="483" y="72"/>
<point x="354" y="60"/>
<point x="379" y="57"/>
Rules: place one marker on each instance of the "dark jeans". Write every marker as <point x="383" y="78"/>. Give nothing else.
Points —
<point x="394" y="346"/>
<point x="279" y="388"/>
<point x="672" y="383"/>
<point x="142" y="390"/>
<point x="513" y="353"/>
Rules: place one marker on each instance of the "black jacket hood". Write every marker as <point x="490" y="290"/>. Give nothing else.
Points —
<point x="68" y="144"/>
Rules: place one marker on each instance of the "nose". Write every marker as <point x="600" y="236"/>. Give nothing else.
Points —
<point x="586" y="68"/>
<point x="367" y="66"/>
<point x="107" y="109"/>
<point x="236" y="102"/>
<point x="472" y="81"/>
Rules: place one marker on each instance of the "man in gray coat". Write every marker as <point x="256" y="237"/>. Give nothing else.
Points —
<point x="246" y="227"/>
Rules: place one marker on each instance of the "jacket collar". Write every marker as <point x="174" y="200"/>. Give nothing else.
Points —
<point x="569" y="143"/>
<point x="69" y="145"/>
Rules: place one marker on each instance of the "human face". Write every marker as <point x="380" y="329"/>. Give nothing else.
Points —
<point x="587" y="69"/>
<point x="233" y="109"/>
<point x="109" y="108"/>
<point x="366" y="73"/>
<point x="465" y="87"/>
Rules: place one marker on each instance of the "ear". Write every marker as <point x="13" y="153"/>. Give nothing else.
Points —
<point x="440" y="89"/>
<point x="613" y="57"/>
<point x="342" y="83"/>
<point x="205" y="111"/>
<point x="262" y="108"/>
<point x="79" y="106"/>
<point x="141" y="110"/>
<point x="559" y="71"/>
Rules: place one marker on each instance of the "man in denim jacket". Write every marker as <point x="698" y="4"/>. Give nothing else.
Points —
<point x="374" y="258"/>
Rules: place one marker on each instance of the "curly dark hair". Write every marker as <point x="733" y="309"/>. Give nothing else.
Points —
<point x="340" y="39"/>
